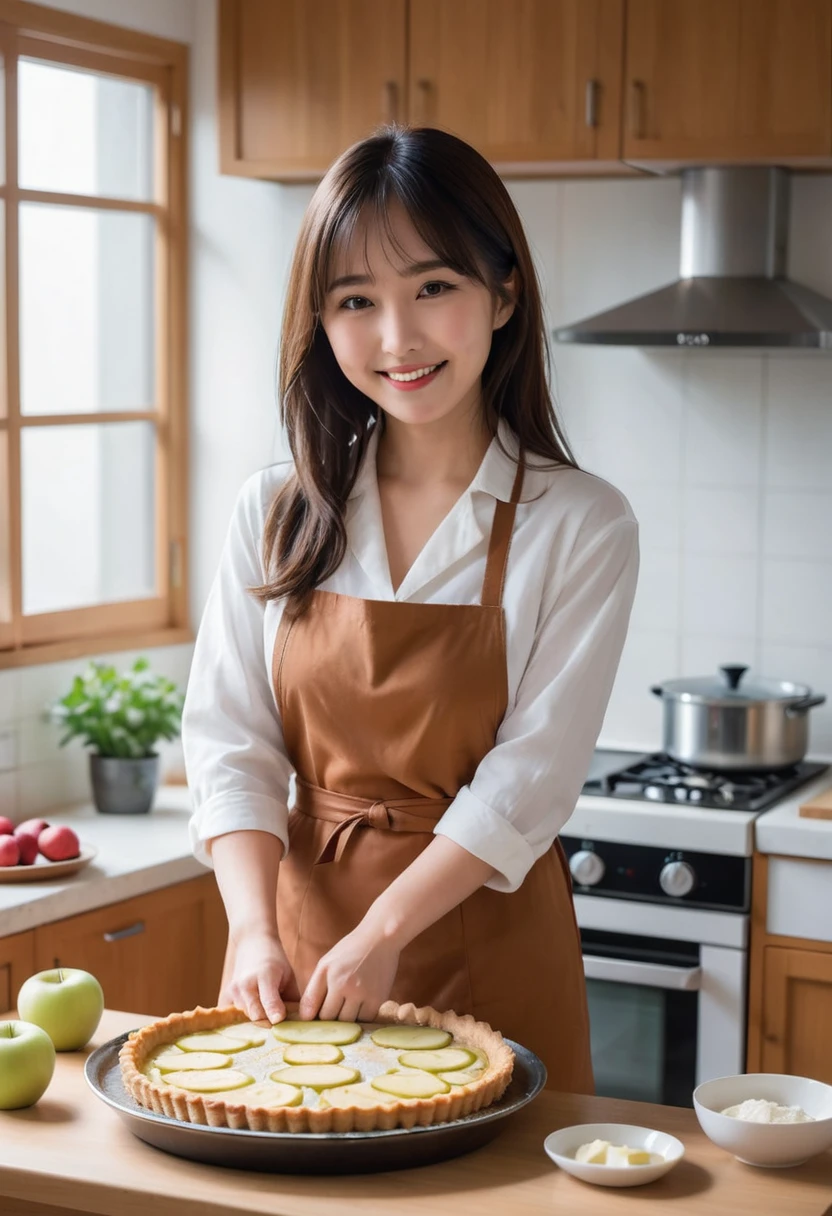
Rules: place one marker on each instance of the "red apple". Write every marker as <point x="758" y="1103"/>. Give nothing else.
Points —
<point x="59" y="843"/>
<point x="9" y="850"/>
<point x="28" y="847"/>
<point x="33" y="826"/>
<point x="6" y="826"/>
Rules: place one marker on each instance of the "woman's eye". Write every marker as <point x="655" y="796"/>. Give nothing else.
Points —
<point x="436" y="289"/>
<point x="354" y="303"/>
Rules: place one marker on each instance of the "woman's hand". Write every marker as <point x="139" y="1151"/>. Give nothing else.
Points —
<point x="353" y="978"/>
<point x="261" y="980"/>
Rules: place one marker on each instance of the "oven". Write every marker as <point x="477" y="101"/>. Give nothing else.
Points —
<point x="660" y="857"/>
<point x="666" y="1012"/>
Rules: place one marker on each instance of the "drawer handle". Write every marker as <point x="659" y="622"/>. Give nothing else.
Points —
<point x="423" y="91"/>
<point x="591" y="103"/>
<point x="638" y="91"/>
<point x="130" y="931"/>
<point x="390" y="101"/>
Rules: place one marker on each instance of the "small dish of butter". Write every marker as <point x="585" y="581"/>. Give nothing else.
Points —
<point x="614" y="1154"/>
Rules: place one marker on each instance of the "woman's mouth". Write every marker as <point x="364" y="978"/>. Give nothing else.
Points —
<point x="416" y="378"/>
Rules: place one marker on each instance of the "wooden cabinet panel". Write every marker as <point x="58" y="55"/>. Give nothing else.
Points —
<point x="299" y="82"/>
<point x="17" y="963"/>
<point x="728" y="79"/>
<point x="797" y="1013"/>
<point x="525" y="81"/>
<point x="149" y="953"/>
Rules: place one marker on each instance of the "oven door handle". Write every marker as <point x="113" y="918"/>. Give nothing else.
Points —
<point x="651" y="975"/>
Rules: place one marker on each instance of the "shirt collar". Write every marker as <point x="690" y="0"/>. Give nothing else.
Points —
<point x="495" y="476"/>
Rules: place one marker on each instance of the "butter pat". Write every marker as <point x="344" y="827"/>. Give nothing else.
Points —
<point x="601" y="1152"/>
<point x="594" y="1153"/>
<point x="622" y="1155"/>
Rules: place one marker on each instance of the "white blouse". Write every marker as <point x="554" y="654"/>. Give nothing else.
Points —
<point x="569" y="588"/>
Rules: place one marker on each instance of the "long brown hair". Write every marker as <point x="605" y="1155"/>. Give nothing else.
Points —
<point x="461" y="209"/>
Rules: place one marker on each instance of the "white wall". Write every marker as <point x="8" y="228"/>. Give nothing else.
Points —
<point x="725" y="457"/>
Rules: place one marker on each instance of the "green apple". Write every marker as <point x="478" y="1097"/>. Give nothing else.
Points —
<point x="66" y="1002"/>
<point x="27" y="1061"/>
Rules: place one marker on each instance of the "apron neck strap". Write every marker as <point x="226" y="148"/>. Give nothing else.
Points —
<point x="499" y="544"/>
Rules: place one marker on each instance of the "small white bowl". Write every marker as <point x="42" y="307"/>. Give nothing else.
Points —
<point x="766" y="1144"/>
<point x="562" y="1146"/>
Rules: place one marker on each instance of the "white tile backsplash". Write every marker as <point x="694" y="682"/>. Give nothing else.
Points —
<point x="797" y="602"/>
<point x="721" y="522"/>
<point x="46" y="775"/>
<point x="799" y="422"/>
<point x="720" y="595"/>
<point x="798" y="525"/>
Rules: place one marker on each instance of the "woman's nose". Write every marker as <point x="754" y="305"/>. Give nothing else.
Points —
<point x="400" y="334"/>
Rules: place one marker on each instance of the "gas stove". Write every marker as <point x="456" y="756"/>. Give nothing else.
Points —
<point x="659" y="778"/>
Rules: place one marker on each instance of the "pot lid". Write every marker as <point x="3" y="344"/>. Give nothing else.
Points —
<point x="731" y="687"/>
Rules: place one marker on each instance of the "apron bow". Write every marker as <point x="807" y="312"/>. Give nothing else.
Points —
<point x="347" y="813"/>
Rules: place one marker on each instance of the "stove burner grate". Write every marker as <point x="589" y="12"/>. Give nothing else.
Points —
<point x="659" y="778"/>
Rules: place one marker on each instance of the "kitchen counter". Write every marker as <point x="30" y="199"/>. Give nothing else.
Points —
<point x="136" y="854"/>
<point x="783" y="831"/>
<point x="72" y="1151"/>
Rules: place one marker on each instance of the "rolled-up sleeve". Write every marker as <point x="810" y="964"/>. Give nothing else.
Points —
<point x="235" y="758"/>
<point x="527" y="785"/>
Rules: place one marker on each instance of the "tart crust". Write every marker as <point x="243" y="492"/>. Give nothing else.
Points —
<point x="221" y="1110"/>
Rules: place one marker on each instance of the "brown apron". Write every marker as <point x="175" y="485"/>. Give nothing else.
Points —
<point x="387" y="710"/>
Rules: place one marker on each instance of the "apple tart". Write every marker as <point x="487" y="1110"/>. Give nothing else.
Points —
<point x="412" y="1066"/>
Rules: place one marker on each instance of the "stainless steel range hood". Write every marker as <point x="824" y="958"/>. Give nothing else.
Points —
<point x="731" y="290"/>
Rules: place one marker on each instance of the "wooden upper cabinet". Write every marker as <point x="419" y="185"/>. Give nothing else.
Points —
<point x="728" y="80"/>
<point x="530" y="83"/>
<point x="299" y="81"/>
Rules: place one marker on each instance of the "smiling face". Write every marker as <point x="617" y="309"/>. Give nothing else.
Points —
<point x="406" y="330"/>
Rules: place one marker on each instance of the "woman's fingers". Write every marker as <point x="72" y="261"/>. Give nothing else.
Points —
<point x="313" y="996"/>
<point x="350" y="1011"/>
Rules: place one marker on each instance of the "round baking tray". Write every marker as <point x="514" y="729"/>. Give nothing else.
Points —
<point x="308" y="1153"/>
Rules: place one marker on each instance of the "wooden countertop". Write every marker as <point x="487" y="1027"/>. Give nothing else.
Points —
<point x="71" y="1153"/>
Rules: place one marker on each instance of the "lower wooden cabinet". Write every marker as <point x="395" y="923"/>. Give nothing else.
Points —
<point x="154" y="954"/>
<point x="790" y="995"/>
<point x="17" y="963"/>
<point x="797" y="1013"/>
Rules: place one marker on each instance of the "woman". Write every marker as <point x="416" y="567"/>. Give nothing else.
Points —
<point x="420" y="616"/>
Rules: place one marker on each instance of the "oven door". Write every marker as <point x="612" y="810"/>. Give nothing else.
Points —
<point x="644" y="1012"/>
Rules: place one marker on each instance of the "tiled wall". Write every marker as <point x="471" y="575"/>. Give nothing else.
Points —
<point x="725" y="456"/>
<point x="35" y="774"/>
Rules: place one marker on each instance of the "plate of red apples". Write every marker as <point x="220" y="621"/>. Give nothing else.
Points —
<point x="37" y="850"/>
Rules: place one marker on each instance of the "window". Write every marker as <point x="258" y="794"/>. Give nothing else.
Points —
<point x="92" y="341"/>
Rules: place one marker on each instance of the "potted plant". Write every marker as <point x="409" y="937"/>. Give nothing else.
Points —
<point x="121" y="716"/>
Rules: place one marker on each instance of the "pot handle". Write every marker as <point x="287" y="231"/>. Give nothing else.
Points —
<point x="733" y="673"/>
<point x="800" y="707"/>
<point x="657" y="690"/>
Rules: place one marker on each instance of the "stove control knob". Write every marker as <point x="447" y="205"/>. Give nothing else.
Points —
<point x="677" y="878"/>
<point x="587" y="868"/>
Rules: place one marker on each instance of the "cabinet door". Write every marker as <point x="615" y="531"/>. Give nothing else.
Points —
<point x="527" y="82"/>
<point x="153" y="955"/>
<point x="17" y="963"/>
<point x="797" y="1013"/>
<point x="728" y="79"/>
<point x="301" y="80"/>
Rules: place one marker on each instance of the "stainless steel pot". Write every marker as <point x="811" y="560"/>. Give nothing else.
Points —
<point x="727" y="724"/>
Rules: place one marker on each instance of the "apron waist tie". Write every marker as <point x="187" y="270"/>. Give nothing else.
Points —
<point x="347" y="813"/>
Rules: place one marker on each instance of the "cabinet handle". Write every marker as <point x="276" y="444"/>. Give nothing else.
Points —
<point x="638" y="91"/>
<point x="591" y="103"/>
<point x="130" y="931"/>
<point x="390" y="101"/>
<point x="423" y="104"/>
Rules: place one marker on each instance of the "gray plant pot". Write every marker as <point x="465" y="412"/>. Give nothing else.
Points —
<point x="123" y="787"/>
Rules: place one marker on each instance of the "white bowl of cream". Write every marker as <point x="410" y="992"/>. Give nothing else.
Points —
<point x="766" y="1119"/>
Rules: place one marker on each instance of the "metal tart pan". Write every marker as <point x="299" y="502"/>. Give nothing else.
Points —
<point x="313" y="1153"/>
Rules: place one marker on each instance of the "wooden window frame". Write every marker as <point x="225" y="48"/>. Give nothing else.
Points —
<point x="31" y="30"/>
